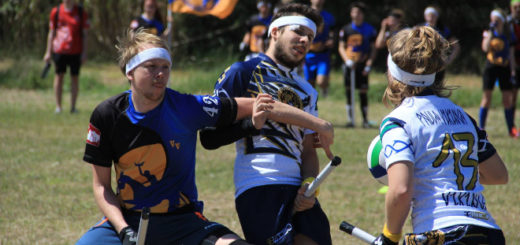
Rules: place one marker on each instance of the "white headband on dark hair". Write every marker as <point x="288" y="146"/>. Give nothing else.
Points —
<point x="409" y="78"/>
<point x="293" y="20"/>
<point x="431" y="10"/>
<point x="499" y="15"/>
<point x="146" y="55"/>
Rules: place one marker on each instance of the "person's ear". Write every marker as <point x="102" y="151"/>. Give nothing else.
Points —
<point x="130" y="75"/>
<point x="275" y="33"/>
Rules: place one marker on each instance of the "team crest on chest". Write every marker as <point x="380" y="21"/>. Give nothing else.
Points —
<point x="289" y="96"/>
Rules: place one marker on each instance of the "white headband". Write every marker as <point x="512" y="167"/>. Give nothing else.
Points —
<point x="293" y="20"/>
<point x="431" y="10"/>
<point x="409" y="78"/>
<point x="497" y="14"/>
<point x="146" y="55"/>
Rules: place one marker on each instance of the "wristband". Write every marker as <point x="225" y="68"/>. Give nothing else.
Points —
<point x="367" y="69"/>
<point x="309" y="180"/>
<point x="393" y="237"/>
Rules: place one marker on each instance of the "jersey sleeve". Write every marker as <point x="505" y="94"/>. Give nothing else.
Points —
<point x="233" y="81"/>
<point x="98" y="146"/>
<point x="200" y="111"/>
<point x="396" y="143"/>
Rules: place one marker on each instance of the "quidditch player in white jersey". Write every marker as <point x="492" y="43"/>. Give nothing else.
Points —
<point x="274" y="164"/>
<point x="436" y="157"/>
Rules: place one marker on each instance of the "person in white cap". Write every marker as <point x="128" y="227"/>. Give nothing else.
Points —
<point x="274" y="165"/>
<point x="149" y="135"/>
<point x="436" y="156"/>
<point x="431" y="18"/>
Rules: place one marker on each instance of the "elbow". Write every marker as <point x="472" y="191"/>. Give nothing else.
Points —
<point x="206" y="142"/>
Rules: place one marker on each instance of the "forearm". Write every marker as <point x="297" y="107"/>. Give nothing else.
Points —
<point x="310" y="163"/>
<point x="84" y="43"/>
<point x="48" y="49"/>
<point x="341" y="51"/>
<point x="380" y="40"/>
<point x="493" y="171"/>
<point x="106" y="198"/>
<point x="288" y="114"/>
<point x="399" y="196"/>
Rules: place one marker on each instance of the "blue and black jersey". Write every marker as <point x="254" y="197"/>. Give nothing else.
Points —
<point x="153" y="152"/>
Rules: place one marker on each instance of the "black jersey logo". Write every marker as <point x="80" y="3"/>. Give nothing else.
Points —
<point x="290" y="97"/>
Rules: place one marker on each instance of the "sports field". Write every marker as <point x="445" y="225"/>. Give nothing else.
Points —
<point x="45" y="187"/>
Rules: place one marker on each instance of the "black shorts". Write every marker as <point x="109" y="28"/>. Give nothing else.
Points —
<point x="494" y="72"/>
<point x="61" y="62"/>
<point x="458" y="234"/>
<point x="361" y="81"/>
<point x="516" y="81"/>
<point x="264" y="211"/>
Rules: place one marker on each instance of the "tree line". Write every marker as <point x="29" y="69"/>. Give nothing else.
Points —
<point x="24" y="25"/>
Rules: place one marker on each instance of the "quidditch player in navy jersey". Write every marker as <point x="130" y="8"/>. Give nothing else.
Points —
<point x="274" y="164"/>
<point x="357" y="49"/>
<point x="149" y="134"/>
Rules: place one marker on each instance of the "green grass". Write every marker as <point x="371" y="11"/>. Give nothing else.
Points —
<point x="45" y="187"/>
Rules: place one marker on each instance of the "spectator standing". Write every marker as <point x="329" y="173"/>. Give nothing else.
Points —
<point x="67" y="47"/>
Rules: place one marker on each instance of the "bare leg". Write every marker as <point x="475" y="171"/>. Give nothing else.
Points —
<point x="74" y="90"/>
<point x="58" y="90"/>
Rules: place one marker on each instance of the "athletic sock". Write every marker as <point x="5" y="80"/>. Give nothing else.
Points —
<point x="364" y="105"/>
<point x="509" y="118"/>
<point x="482" y="117"/>
<point x="349" y="111"/>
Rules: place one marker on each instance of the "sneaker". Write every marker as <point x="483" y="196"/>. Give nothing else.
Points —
<point x="369" y="124"/>
<point x="57" y="110"/>
<point x="514" y="133"/>
<point x="349" y="125"/>
<point x="73" y="111"/>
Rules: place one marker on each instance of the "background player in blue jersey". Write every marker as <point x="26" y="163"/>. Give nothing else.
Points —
<point x="317" y="61"/>
<point x="151" y="19"/>
<point x="499" y="44"/>
<point x="149" y="134"/>
<point x="436" y="156"/>
<point x="357" y="49"/>
<point x="274" y="164"/>
<point x="254" y="39"/>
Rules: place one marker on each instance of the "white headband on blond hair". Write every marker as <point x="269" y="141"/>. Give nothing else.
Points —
<point x="499" y="15"/>
<point x="146" y="55"/>
<point x="409" y="78"/>
<point x="431" y="10"/>
<point x="293" y="20"/>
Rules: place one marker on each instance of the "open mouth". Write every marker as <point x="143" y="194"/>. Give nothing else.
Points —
<point x="299" y="50"/>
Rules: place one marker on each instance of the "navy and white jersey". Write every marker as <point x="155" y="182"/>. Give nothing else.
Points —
<point x="441" y="141"/>
<point x="274" y="156"/>
<point x="153" y="152"/>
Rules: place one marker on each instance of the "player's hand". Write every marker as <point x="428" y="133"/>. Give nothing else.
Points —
<point x="301" y="202"/>
<point x="383" y="240"/>
<point x="325" y="139"/>
<point x="47" y="57"/>
<point x="128" y="236"/>
<point x="349" y="63"/>
<point x="261" y="109"/>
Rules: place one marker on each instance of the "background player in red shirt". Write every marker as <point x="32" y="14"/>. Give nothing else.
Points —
<point x="67" y="46"/>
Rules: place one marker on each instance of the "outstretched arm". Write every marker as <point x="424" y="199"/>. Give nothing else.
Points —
<point x="263" y="108"/>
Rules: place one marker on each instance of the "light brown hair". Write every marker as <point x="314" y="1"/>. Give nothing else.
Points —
<point x="420" y="50"/>
<point x="132" y="43"/>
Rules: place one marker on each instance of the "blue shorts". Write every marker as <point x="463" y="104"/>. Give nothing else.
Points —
<point x="188" y="228"/>
<point x="265" y="211"/>
<point x="458" y="234"/>
<point x="316" y="64"/>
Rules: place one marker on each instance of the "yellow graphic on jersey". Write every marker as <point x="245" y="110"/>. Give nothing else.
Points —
<point x="257" y="38"/>
<point x="496" y="45"/>
<point x="354" y="41"/>
<point x="288" y="96"/>
<point x="140" y="168"/>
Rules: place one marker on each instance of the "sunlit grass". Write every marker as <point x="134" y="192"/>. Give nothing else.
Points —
<point x="45" y="187"/>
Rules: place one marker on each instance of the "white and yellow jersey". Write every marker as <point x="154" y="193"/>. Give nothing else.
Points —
<point x="274" y="156"/>
<point x="439" y="138"/>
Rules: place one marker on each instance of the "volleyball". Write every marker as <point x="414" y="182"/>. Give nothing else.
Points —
<point x="376" y="161"/>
